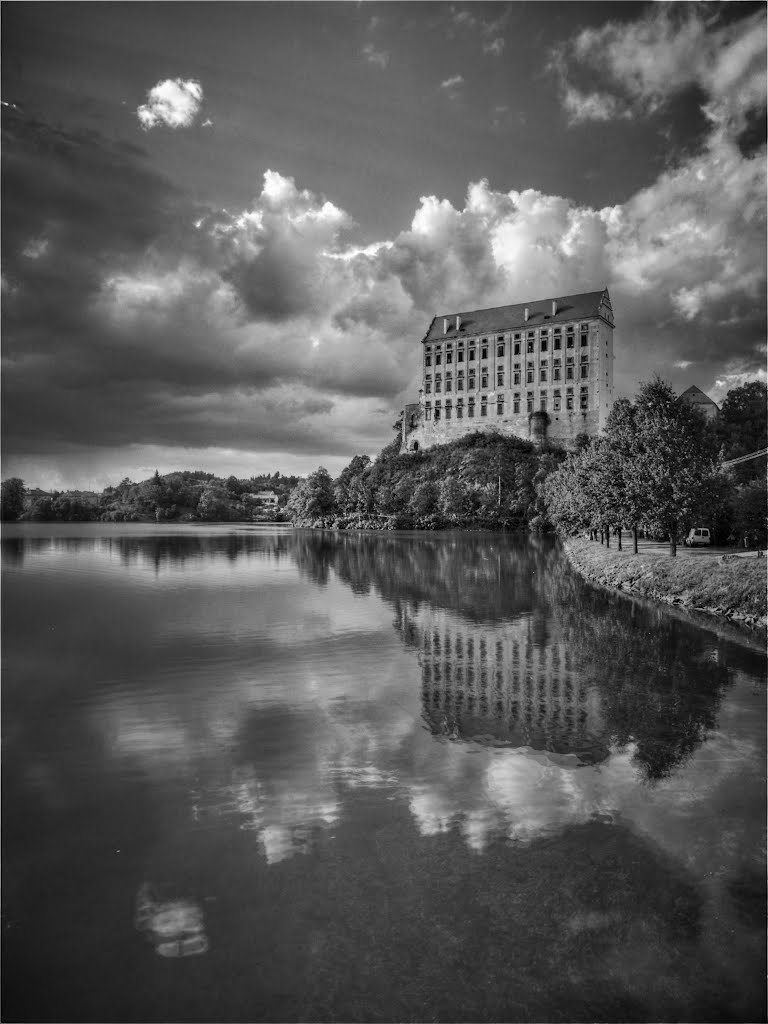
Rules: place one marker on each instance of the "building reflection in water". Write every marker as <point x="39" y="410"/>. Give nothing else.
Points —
<point x="495" y="684"/>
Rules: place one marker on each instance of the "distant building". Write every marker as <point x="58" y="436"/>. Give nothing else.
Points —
<point x="696" y="397"/>
<point x="538" y="369"/>
<point x="265" y="498"/>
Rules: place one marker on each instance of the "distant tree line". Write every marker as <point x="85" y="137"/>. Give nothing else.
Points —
<point x="187" y="496"/>
<point x="658" y="468"/>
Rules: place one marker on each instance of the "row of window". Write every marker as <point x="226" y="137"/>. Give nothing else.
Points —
<point x="448" y="409"/>
<point x="570" y="374"/>
<point x="529" y="341"/>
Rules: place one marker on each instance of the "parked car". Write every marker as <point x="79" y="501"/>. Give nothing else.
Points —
<point x="698" y="536"/>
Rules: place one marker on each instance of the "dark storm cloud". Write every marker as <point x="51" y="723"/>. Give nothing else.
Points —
<point x="124" y="322"/>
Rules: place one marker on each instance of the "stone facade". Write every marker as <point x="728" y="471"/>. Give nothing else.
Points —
<point x="540" y="370"/>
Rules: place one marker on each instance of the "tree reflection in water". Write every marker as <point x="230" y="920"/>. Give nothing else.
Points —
<point x="516" y="650"/>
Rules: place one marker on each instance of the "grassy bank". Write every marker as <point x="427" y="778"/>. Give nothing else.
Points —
<point x="734" y="588"/>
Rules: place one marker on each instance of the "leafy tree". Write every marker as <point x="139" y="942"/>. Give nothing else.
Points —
<point x="675" y="458"/>
<point x="452" y="498"/>
<point x="214" y="504"/>
<point x="749" y="516"/>
<point x="742" y="428"/>
<point x="11" y="498"/>
<point x="313" y="501"/>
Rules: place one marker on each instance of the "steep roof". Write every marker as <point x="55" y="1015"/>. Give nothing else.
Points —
<point x="506" y="318"/>
<point x="697" y="397"/>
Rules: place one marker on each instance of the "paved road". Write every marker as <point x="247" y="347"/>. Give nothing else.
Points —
<point x="661" y="547"/>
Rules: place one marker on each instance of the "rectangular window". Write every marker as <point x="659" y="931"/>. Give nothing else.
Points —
<point x="557" y="344"/>
<point x="460" y="381"/>
<point x="428" y="411"/>
<point x="460" y="409"/>
<point x="447" y="410"/>
<point x="516" y="377"/>
<point x="472" y="355"/>
<point x="500" y="350"/>
<point x="471" y="408"/>
<point x="556" y="373"/>
<point x="448" y="383"/>
<point x="483" y="406"/>
<point x="569" y="341"/>
<point x="517" y="348"/>
<point x="484" y="379"/>
<point x="500" y="405"/>
<point x="438" y="384"/>
<point x="449" y="358"/>
<point x="427" y="360"/>
<point x="499" y="378"/>
<point x="461" y="355"/>
<point x="544" y="343"/>
<point x="584" y="398"/>
<point x="543" y="374"/>
<point x="585" y="357"/>
<point x="584" y="371"/>
<point x="516" y="404"/>
<point x="529" y="346"/>
<point x="437" y="410"/>
<point x="529" y="375"/>
<point x="556" y="401"/>
<point x="569" y="373"/>
<point x="484" y="352"/>
<point x="529" y="401"/>
<point x="569" y="398"/>
<point x="584" y="340"/>
<point x="428" y="386"/>
<point x="518" y="336"/>
<point x="438" y="359"/>
<point x="543" y="401"/>
<point x="471" y="380"/>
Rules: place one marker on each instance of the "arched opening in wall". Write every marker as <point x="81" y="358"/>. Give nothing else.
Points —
<point x="415" y="446"/>
<point x="413" y="420"/>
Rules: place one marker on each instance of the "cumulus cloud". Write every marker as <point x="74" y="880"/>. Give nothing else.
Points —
<point x="174" y="102"/>
<point x="494" y="47"/>
<point x="452" y="84"/>
<point x="374" y="56"/>
<point x="272" y="328"/>
<point x="641" y="64"/>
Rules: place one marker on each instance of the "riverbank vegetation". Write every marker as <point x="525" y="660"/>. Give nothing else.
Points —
<point x="188" y="496"/>
<point x="659" y="468"/>
<point x="729" y="585"/>
<point x="484" y="480"/>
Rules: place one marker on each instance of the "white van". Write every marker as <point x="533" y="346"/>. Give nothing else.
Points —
<point x="696" y="537"/>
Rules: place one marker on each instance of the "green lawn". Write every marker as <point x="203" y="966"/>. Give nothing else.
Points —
<point x="736" y="585"/>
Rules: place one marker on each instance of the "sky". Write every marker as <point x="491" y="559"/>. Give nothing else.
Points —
<point x="226" y="227"/>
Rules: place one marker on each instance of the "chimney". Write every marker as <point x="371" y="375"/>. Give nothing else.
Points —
<point x="446" y="324"/>
<point x="458" y="322"/>
<point x="527" y="311"/>
<point x="554" y="307"/>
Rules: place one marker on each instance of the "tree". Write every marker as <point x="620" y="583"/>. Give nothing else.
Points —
<point x="743" y="428"/>
<point x="347" y="486"/>
<point x="674" y="462"/>
<point x="312" y="501"/>
<point x="213" y="504"/>
<point x="11" y="498"/>
<point x="749" y="518"/>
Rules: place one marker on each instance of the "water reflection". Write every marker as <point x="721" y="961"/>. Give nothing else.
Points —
<point x="355" y="757"/>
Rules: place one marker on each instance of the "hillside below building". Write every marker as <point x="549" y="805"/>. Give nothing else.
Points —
<point x="538" y="370"/>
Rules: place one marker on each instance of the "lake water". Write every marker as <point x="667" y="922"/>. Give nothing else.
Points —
<point x="256" y="774"/>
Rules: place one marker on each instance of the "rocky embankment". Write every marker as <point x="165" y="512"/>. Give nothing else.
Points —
<point x="725" y="586"/>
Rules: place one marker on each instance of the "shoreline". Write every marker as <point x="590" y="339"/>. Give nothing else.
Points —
<point x="731" y="590"/>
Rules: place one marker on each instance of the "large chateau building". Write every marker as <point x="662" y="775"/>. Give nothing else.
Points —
<point x="537" y="370"/>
